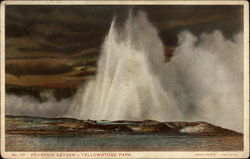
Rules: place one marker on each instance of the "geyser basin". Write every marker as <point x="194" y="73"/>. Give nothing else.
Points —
<point x="203" y="80"/>
<point x="134" y="90"/>
<point x="67" y="134"/>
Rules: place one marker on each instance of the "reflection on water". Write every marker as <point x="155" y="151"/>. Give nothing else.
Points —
<point x="119" y="142"/>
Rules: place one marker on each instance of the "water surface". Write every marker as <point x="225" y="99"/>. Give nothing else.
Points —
<point x="122" y="142"/>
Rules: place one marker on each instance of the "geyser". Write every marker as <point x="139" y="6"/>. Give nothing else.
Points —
<point x="128" y="83"/>
<point x="203" y="81"/>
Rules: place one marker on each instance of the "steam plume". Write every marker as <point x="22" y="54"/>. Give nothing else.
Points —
<point x="202" y="81"/>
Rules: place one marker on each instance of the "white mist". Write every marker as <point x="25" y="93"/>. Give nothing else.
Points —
<point x="203" y="81"/>
<point x="128" y="83"/>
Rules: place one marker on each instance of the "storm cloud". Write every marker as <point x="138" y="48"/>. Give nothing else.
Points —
<point x="59" y="45"/>
<point x="71" y="29"/>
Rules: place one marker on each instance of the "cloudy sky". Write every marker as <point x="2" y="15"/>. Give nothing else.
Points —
<point x="58" y="46"/>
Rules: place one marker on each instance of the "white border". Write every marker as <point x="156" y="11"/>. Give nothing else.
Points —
<point x="246" y="78"/>
<point x="127" y="2"/>
<point x="2" y="100"/>
<point x="140" y="154"/>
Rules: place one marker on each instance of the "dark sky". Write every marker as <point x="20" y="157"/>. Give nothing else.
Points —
<point x="71" y="29"/>
<point x="37" y="36"/>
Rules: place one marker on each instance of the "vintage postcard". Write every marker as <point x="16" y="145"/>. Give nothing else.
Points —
<point x="124" y="79"/>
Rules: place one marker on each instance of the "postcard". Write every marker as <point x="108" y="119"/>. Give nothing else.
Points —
<point x="124" y="79"/>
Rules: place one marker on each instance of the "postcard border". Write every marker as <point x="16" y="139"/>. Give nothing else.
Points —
<point x="140" y="154"/>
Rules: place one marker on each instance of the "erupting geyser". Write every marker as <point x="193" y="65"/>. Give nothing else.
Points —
<point x="128" y="84"/>
<point x="203" y="81"/>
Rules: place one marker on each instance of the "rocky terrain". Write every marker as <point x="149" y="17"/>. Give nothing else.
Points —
<point x="40" y="125"/>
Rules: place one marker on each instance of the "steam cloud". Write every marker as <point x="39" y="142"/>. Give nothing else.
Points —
<point x="202" y="81"/>
<point x="30" y="106"/>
